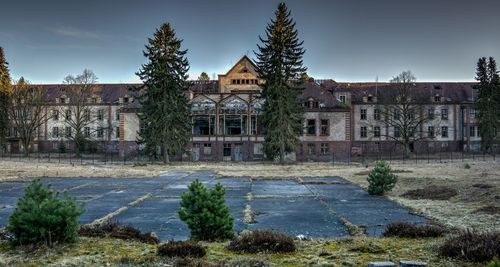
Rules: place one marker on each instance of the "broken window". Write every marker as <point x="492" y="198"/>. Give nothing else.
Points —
<point x="324" y="128"/>
<point x="311" y="127"/>
<point x="207" y="149"/>
<point x="227" y="150"/>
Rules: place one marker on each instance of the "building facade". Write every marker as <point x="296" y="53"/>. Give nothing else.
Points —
<point x="340" y="119"/>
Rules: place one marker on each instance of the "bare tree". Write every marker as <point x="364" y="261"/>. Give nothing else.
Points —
<point x="402" y="111"/>
<point x="80" y="111"/>
<point x="26" y="113"/>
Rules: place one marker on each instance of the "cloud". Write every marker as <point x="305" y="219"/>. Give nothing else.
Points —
<point x="77" y="33"/>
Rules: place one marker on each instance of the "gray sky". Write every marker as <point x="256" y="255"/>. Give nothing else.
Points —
<point x="345" y="40"/>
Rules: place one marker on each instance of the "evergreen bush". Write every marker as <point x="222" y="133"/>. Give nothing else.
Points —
<point x="381" y="179"/>
<point x="205" y="212"/>
<point x="44" y="216"/>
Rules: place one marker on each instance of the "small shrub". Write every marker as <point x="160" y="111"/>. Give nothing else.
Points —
<point x="44" y="216"/>
<point x="262" y="241"/>
<point x="381" y="179"/>
<point x="432" y="192"/>
<point x="245" y="262"/>
<point x="466" y="166"/>
<point x="483" y="186"/>
<point x="117" y="230"/>
<point x="411" y="230"/>
<point x="494" y="263"/>
<point x="181" y="249"/>
<point x="490" y="209"/>
<point x="472" y="246"/>
<point x="205" y="212"/>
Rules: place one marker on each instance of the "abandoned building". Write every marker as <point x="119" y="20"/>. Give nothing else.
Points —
<point x="341" y="119"/>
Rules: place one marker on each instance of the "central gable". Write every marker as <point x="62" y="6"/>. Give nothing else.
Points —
<point x="241" y="77"/>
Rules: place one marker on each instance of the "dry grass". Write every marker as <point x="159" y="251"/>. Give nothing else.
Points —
<point x="343" y="252"/>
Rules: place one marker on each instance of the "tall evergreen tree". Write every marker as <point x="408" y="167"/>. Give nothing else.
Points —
<point x="165" y="111"/>
<point x="5" y="88"/>
<point x="279" y="64"/>
<point x="488" y="101"/>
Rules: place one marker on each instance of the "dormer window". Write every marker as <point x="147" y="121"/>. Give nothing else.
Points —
<point x="94" y="100"/>
<point x="437" y="98"/>
<point x="369" y="98"/>
<point x="342" y="98"/>
<point x="62" y="100"/>
<point x="125" y="100"/>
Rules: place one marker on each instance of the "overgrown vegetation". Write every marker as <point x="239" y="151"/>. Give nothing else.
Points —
<point x="44" y="216"/>
<point x="472" y="246"/>
<point x="411" y="230"/>
<point x="432" y="192"/>
<point x="206" y="213"/>
<point x="265" y="241"/>
<point x="117" y="230"/>
<point x="381" y="179"/>
<point x="181" y="249"/>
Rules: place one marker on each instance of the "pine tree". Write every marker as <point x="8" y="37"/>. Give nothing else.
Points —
<point x="44" y="216"/>
<point x="488" y="101"/>
<point x="279" y="64"/>
<point x="165" y="111"/>
<point x="381" y="179"/>
<point x="205" y="212"/>
<point x="5" y="85"/>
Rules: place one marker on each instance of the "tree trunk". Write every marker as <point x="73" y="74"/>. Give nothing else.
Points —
<point x="26" y="151"/>
<point x="165" y="154"/>
<point x="282" y="153"/>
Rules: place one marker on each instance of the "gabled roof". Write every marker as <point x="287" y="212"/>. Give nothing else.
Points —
<point x="243" y="58"/>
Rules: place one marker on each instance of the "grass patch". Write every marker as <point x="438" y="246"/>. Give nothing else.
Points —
<point x="365" y="173"/>
<point x="432" y="193"/>
<point x="472" y="246"/>
<point x="411" y="230"/>
<point x="117" y="230"/>
<point x="265" y="241"/>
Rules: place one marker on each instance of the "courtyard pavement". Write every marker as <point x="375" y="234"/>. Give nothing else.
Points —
<point x="312" y="208"/>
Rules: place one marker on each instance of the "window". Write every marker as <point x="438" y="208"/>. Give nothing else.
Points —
<point x="117" y="116"/>
<point x="311" y="149"/>
<point x="311" y="127"/>
<point x="342" y="98"/>
<point x="315" y="104"/>
<point x="233" y="81"/>
<point x="472" y="131"/>
<point x="307" y="104"/>
<point x="444" y="131"/>
<point x="376" y="114"/>
<point x="397" y="133"/>
<point x="207" y="149"/>
<point x="100" y="132"/>
<point x="369" y="98"/>
<point x="363" y="133"/>
<point x="444" y="114"/>
<point x="86" y="115"/>
<point x="227" y="150"/>
<point x="376" y="131"/>
<point x="68" y="132"/>
<point x="55" y="115"/>
<point x="430" y="113"/>
<point x="55" y="132"/>
<point x="62" y="100"/>
<point x="68" y="114"/>
<point x="86" y="132"/>
<point x="126" y="100"/>
<point x="324" y="128"/>
<point x="100" y="114"/>
<point x="363" y="114"/>
<point x="94" y="100"/>
<point x="430" y="131"/>
<point x="437" y="99"/>
<point x="474" y="113"/>
<point x="324" y="149"/>
<point x="117" y="132"/>
<point x="258" y="149"/>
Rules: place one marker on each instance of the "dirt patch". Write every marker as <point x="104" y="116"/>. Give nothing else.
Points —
<point x="432" y="193"/>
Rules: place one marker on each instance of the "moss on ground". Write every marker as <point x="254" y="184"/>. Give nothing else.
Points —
<point x="356" y="251"/>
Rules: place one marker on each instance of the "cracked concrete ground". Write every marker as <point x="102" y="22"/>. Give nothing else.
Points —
<point x="313" y="207"/>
